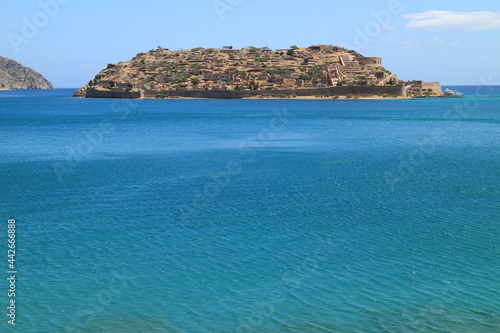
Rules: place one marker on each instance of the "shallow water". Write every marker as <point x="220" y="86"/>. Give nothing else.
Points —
<point x="252" y="215"/>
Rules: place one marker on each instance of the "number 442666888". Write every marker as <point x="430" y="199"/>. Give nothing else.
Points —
<point x="12" y="244"/>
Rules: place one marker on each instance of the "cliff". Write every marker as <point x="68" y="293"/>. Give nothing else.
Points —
<point x="13" y="75"/>
<point x="163" y="73"/>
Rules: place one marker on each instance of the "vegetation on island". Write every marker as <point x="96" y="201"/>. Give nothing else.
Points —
<point x="251" y="68"/>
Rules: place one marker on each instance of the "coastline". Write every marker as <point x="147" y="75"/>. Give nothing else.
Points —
<point x="302" y="98"/>
<point x="334" y="98"/>
<point x="7" y="89"/>
<point x="343" y="92"/>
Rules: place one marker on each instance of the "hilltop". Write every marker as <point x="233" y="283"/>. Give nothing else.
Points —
<point x="319" y="70"/>
<point x="13" y="76"/>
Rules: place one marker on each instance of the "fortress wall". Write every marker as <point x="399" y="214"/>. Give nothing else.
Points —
<point x="370" y="61"/>
<point x="238" y="94"/>
<point x="435" y="86"/>
<point x="94" y="93"/>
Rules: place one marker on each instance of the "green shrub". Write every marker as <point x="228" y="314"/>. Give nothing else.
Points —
<point x="280" y="71"/>
<point x="181" y="77"/>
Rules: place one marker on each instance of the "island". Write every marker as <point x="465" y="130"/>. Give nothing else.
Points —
<point x="14" y="76"/>
<point x="318" y="71"/>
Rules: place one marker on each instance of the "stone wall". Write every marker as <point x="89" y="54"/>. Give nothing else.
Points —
<point x="370" y="61"/>
<point x="238" y="94"/>
<point x="94" y="93"/>
<point x="435" y="86"/>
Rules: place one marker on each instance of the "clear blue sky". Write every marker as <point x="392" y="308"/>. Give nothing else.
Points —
<point x="69" y="41"/>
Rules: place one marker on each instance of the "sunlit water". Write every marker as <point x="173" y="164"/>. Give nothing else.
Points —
<point x="252" y="216"/>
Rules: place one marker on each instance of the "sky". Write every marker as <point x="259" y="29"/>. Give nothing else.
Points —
<point x="70" y="41"/>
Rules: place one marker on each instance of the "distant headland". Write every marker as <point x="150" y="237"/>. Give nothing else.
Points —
<point x="318" y="71"/>
<point x="15" y="76"/>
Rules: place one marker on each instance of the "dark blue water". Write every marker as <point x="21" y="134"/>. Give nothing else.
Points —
<point x="252" y="215"/>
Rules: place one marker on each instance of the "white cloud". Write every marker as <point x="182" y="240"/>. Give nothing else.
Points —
<point x="436" y="41"/>
<point x="408" y="44"/>
<point x="441" y="42"/>
<point x="389" y="27"/>
<point x="437" y="20"/>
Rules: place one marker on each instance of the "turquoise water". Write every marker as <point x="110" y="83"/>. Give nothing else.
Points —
<point x="252" y="216"/>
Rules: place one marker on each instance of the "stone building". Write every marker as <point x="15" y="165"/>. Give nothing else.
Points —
<point x="218" y="77"/>
<point x="370" y="61"/>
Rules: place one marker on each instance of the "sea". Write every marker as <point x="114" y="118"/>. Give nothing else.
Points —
<point x="250" y="215"/>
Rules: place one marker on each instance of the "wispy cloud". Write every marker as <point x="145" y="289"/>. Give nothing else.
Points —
<point x="437" y="20"/>
<point x="436" y="41"/>
<point x="408" y="44"/>
<point x="389" y="27"/>
<point x="441" y="42"/>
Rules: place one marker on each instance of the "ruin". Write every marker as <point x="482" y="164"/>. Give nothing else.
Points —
<point x="256" y="70"/>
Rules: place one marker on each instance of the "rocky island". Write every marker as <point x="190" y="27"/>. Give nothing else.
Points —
<point x="318" y="71"/>
<point x="15" y="76"/>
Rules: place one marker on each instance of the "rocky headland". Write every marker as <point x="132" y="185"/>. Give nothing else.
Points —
<point x="15" y="76"/>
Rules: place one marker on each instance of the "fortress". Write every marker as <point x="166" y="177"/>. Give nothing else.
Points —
<point x="317" y="71"/>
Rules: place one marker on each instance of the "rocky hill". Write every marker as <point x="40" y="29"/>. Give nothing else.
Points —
<point x="164" y="73"/>
<point x="13" y="75"/>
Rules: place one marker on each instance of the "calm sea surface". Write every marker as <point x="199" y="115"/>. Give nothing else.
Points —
<point x="251" y="215"/>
